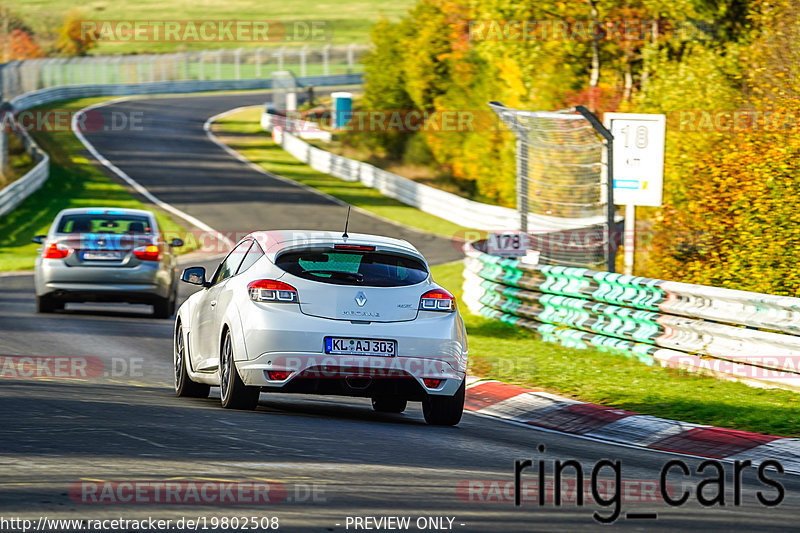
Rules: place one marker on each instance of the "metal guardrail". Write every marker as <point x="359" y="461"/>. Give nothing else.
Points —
<point x="12" y="195"/>
<point x="456" y="209"/>
<point x="15" y="193"/>
<point x="738" y="335"/>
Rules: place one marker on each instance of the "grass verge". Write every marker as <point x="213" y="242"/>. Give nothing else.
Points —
<point x="19" y="161"/>
<point x="74" y="182"/>
<point x="502" y="352"/>
<point x="242" y="132"/>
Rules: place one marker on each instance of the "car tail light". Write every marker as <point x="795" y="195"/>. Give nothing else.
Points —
<point x="278" y="375"/>
<point x="432" y="383"/>
<point x="268" y="290"/>
<point x="437" y="300"/>
<point x="56" y="251"/>
<point x="356" y="247"/>
<point x="147" y="253"/>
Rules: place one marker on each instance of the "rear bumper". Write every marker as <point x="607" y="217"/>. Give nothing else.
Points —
<point x="351" y="375"/>
<point x="141" y="284"/>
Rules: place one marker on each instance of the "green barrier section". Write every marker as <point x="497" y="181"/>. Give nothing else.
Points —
<point x="619" y="289"/>
<point x="593" y="317"/>
<point x="572" y="338"/>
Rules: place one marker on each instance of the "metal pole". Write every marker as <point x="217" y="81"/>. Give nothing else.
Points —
<point x="237" y="59"/>
<point x="326" y="52"/>
<point x="630" y="237"/>
<point x="258" y="61"/>
<point x="522" y="180"/>
<point x="351" y="55"/>
<point x="611" y="250"/>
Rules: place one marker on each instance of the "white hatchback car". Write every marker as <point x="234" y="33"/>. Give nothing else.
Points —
<point x="321" y="313"/>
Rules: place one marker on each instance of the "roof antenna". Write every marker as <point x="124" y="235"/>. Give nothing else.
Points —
<point x="346" y="223"/>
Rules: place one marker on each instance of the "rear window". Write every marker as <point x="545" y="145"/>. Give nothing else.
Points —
<point x="374" y="269"/>
<point x="85" y="223"/>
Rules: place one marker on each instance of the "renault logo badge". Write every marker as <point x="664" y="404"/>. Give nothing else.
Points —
<point x="361" y="299"/>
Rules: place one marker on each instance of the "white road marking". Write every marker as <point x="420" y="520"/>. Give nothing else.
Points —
<point x="136" y="185"/>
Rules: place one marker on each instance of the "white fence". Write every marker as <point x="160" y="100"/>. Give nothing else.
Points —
<point x="20" y="77"/>
<point x="448" y="206"/>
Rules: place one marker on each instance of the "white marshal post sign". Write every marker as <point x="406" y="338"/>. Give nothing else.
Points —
<point x="638" y="162"/>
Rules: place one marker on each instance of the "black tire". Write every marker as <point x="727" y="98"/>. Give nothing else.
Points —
<point x="164" y="307"/>
<point x="184" y="386"/>
<point x="389" y="405"/>
<point x="48" y="304"/>
<point x="444" y="410"/>
<point x="234" y="394"/>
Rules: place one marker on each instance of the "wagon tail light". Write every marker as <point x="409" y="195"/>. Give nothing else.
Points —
<point x="437" y="300"/>
<point x="268" y="290"/>
<point x="147" y="253"/>
<point x="56" y="251"/>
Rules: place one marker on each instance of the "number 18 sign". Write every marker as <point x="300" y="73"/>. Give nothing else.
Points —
<point x="638" y="157"/>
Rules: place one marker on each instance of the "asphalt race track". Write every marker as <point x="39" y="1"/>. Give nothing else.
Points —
<point x="328" y="458"/>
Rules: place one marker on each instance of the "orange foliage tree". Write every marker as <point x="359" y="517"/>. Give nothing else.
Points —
<point x="19" y="45"/>
<point x="73" y="40"/>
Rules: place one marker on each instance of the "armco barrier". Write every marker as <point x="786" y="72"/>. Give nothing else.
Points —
<point x="15" y="193"/>
<point x="443" y="204"/>
<point x="698" y="328"/>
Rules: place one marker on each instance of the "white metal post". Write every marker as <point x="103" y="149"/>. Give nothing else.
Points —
<point x="259" y="50"/>
<point x="630" y="237"/>
<point x="351" y="53"/>
<point x="326" y="59"/>
<point x="237" y="58"/>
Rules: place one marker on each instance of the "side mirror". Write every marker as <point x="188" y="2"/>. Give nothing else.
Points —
<point x="195" y="276"/>
<point x="176" y="243"/>
<point x="39" y="239"/>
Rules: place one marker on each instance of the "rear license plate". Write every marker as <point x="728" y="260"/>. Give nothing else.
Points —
<point x="353" y="346"/>
<point x="102" y="256"/>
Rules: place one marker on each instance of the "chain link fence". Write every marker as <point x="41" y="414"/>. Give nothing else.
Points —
<point x="19" y="77"/>
<point x="559" y="156"/>
<point x="561" y="175"/>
